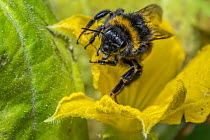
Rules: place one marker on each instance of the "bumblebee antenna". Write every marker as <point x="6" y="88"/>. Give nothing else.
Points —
<point x="86" y="29"/>
<point x="80" y="35"/>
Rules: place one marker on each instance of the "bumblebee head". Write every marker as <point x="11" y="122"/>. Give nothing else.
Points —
<point x="108" y="47"/>
<point x="111" y="42"/>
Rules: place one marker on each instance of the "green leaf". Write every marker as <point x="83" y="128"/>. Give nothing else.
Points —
<point x="36" y="71"/>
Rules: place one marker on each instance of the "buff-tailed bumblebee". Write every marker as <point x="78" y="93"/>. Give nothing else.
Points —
<point x="127" y="37"/>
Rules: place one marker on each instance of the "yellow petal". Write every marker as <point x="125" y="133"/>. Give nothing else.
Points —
<point x="156" y="113"/>
<point x="72" y="27"/>
<point x="124" y="118"/>
<point x="105" y="110"/>
<point x="196" y="77"/>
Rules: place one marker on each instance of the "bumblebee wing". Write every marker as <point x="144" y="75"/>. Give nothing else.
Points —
<point x="152" y="14"/>
<point x="158" y="33"/>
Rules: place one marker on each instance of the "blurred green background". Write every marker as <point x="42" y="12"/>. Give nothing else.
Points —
<point x="190" y="20"/>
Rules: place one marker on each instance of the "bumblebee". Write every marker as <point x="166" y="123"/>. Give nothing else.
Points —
<point x="127" y="37"/>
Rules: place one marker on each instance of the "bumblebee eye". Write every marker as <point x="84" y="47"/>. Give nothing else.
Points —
<point x="105" y="48"/>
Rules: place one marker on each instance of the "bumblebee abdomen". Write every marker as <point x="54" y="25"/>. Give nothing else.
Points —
<point x="138" y="22"/>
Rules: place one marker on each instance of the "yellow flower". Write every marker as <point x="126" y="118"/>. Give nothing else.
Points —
<point x="159" y="95"/>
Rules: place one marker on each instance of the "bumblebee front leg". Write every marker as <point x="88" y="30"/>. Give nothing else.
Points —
<point x="127" y="78"/>
<point x="97" y="32"/>
<point x="97" y="17"/>
<point x="102" y="62"/>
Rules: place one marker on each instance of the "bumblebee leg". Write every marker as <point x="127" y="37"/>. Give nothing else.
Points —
<point x="101" y="62"/>
<point x="88" y="32"/>
<point x="97" y="17"/>
<point x="127" y="78"/>
<point x="92" y="39"/>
